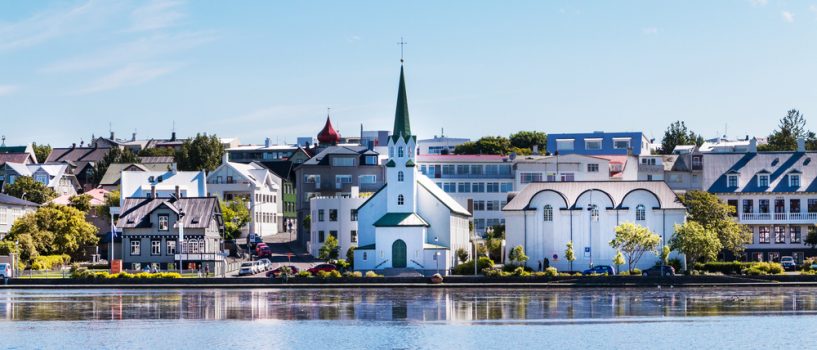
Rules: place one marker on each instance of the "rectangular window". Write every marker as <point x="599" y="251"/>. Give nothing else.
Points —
<point x="230" y="180"/>
<point x="748" y="206"/>
<point x="812" y="205"/>
<point x="779" y="206"/>
<point x="478" y="187"/>
<point x="353" y="236"/>
<point x="564" y="145"/>
<point x="43" y="179"/>
<point x="334" y="234"/>
<point x="464" y="187"/>
<point x="219" y="179"/>
<point x="171" y="247"/>
<point x="732" y="181"/>
<point x="343" y="161"/>
<point x="505" y="169"/>
<point x="479" y="205"/>
<point x="367" y="179"/>
<point x="371" y="160"/>
<point x="479" y="225"/>
<point x="312" y="179"/>
<point x="551" y="177"/>
<point x="333" y="215"/>
<point x="320" y="214"/>
<point x="526" y="178"/>
<point x="763" y="206"/>
<point x="621" y="143"/>
<point x="448" y="169"/>
<point x="321" y="236"/>
<point x="567" y="177"/>
<point x="491" y="169"/>
<point x="592" y="144"/>
<point x="463" y="169"/>
<point x="492" y="205"/>
<point x="505" y="187"/>
<point x="492" y="187"/>
<point x="794" y="206"/>
<point x="734" y="204"/>
<point x="353" y="214"/>
<point x="794" y="234"/>
<point x="476" y="169"/>
<point x="780" y="234"/>
<point x="134" y="248"/>
<point x="763" y="235"/>
<point x="763" y="180"/>
<point x="450" y="187"/>
<point x="794" y="180"/>
<point x="164" y="221"/>
<point x="155" y="247"/>
<point x="592" y="168"/>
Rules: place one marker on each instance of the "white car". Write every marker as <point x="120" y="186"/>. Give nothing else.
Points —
<point x="247" y="268"/>
<point x="5" y="270"/>
<point x="259" y="266"/>
<point x="267" y="264"/>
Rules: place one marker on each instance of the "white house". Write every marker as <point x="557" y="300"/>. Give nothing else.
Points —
<point x="54" y="176"/>
<point x="12" y="208"/>
<point x="334" y="216"/>
<point x="545" y="216"/>
<point x="258" y="186"/>
<point x="164" y="183"/>
<point x="410" y="223"/>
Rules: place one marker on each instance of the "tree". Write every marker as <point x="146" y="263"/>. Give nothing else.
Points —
<point x="569" y="254"/>
<point x="52" y="230"/>
<point x="350" y="257"/>
<point x="462" y="255"/>
<point x="696" y="242"/>
<point x="790" y="128"/>
<point x="664" y="256"/>
<point x="81" y="202"/>
<point x="678" y="134"/>
<point x="488" y="145"/>
<point x="618" y="260"/>
<point x="236" y="215"/>
<point x="528" y="139"/>
<point x="201" y="153"/>
<point x="634" y="240"/>
<point x="517" y="255"/>
<point x="811" y="238"/>
<point x="41" y="152"/>
<point x="157" y="152"/>
<point x="24" y="187"/>
<point x="329" y="250"/>
<point x="713" y="214"/>
<point x="111" y="201"/>
<point x="114" y="156"/>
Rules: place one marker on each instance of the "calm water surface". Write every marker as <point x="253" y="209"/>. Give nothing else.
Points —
<point x="408" y="319"/>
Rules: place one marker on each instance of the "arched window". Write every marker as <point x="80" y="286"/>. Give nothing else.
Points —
<point x="400" y="152"/>
<point x="594" y="212"/>
<point x="547" y="213"/>
<point x="391" y="152"/>
<point x="401" y="200"/>
<point x="400" y="176"/>
<point x="640" y="213"/>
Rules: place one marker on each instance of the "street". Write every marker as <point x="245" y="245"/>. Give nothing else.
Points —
<point x="281" y="248"/>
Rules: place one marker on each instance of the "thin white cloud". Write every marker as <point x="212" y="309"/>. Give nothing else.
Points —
<point x="130" y="75"/>
<point x="7" y="89"/>
<point x="759" y="2"/>
<point x="650" y="30"/>
<point x="813" y="9"/>
<point x="157" y="14"/>
<point x="53" y="23"/>
<point x="787" y="16"/>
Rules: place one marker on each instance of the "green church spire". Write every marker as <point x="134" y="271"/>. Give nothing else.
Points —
<point x="402" y="126"/>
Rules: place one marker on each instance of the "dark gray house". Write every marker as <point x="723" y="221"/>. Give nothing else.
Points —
<point x="150" y="233"/>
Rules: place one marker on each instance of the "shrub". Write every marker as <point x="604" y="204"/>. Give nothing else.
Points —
<point x="49" y="262"/>
<point x="675" y="263"/>
<point x="304" y="274"/>
<point x="764" y="268"/>
<point x="467" y="268"/>
<point x="724" y="267"/>
<point x="636" y="272"/>
<point x="551" y="272"/>
<point x="512" y="268"/>
<point x="353" y="274"/>
<point x="520" y="271"/>
<point x="371" y="274"/>
<point x="342" y="264"/>
<point x="329" y="274"/>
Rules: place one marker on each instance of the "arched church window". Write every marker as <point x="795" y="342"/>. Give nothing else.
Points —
<point x="547" y="213"/>
<point x="400" y="176"/>
<point x="401" y="200"/>
<point x="391" y="151"/>
<point x="640" y="213"/>
<point x="400" y="152"/>
<point x="594" y="212"/>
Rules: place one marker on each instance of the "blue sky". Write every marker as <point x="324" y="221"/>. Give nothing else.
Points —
<point x="255" y="69"/>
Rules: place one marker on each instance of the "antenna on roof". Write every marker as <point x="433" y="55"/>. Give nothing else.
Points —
<point x="4" y="141"/>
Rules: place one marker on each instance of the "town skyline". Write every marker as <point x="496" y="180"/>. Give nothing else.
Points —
<point x="72" y="69"/>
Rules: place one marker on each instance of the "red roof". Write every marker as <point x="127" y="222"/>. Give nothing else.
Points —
<point x="328" y="135"/>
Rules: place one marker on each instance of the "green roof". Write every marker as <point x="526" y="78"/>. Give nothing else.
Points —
<point x="391" y="163"/>
<point x="402" y="126"/>
<point x="410" y="163"/>
<point x="401" y="219"/>
<point x="366" y="247"/>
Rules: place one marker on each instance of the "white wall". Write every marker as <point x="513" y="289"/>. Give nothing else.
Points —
<point x="344" y="224"/>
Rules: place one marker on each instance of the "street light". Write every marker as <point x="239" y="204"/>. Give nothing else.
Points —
<point x="437" y="254"/>
<point x="180" y="222"/>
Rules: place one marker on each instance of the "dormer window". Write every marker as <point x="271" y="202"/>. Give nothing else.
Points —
<point x="732" y="181"/>
<point x="794" y="180"/>
<point x="763" y="180"/>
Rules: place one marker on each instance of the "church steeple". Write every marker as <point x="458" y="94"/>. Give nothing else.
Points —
<point x="402" y="126"/>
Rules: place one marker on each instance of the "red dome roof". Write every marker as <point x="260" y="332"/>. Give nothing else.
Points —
<point x="328" y="135"/>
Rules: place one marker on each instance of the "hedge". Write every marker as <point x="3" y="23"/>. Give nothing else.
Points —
<point x="467" y="268"/>
<point x="48" y="262"/>
<point x="738" y="267"/>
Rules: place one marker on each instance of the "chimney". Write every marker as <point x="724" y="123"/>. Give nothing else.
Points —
<point x="266" y="143"/>
<point x="174" y="168"/>
<point x="753" y="145"/>
<point x="112" y="135"/>
<point x="370" y="144"/>
<point x="178" y="192"/>
<point x="536" y="150"/>
<point x="173" y="136"/>
<point x="801" y="144"/>
<point x="133" y="137"/>
<point x="629" y="151"/>
<point x="225" y="158"/>
<point x="152" y="191"/>
<point x="74" y="145"/>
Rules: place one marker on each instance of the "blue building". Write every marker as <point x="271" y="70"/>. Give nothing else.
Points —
<point x="599" y="143"/>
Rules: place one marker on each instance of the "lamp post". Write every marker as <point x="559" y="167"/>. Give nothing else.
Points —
<point x="437" y="254"/>
<point x="180" y="222"/>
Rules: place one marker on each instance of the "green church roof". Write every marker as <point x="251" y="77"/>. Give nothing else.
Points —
<point x="410" y="163"/>
<point x="391" y="163"/>
<point x="401" y="219"/>
<point x="402" y="126"/>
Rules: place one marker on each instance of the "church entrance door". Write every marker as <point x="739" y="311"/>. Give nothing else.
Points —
<point x="398" y="254"/>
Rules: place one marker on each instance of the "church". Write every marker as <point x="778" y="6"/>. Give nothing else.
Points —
<point x="410" y="223"/>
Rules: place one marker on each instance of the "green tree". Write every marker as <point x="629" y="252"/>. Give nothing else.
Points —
<point x="114" y="156"/>
<point x="488" y="145"/>
<point x="25" y="187"/>
<point x="111" y="201"/>
<point x="618" y="260"/>
<point x="52" y="230"/>
<point x="41" y="152"/>
<point x="329" y="250"/>
<point x="569" y="254"/>
<point x="201" y="153"/>
<point x="634" y="240"/>
<point x="664" y="255"/>
<point x="790" y="128"/>
<point x="350" y="257"/>
<point x="236" y="215"/>
<point x="696" y="242"/>
<point x="517" y="255"/>
<point x="713" y="214"/>
<point x="157" y="152"/>
<point x="462" y="255"/>
<point x="528" y="139"/>
<point x="811" y="238"/>
<point x="81" y="202"/>
<point x="678" y="134"/>
<point x="307" y="222"/>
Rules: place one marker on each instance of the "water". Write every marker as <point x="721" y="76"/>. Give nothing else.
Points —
<point x="409" y="319"/>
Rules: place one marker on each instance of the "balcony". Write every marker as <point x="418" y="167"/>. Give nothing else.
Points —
<point x="793" y="218"/>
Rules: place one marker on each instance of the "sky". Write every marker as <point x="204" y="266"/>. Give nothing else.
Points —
<point x="257" y="69"/>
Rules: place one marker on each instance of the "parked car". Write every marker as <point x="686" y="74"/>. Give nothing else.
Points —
<point x="247" y="268"/>
<point x="788" y="263"/>
<point x="254" y="238"/>
<point x="657" y="270"/>
<point x="600" y="270"/>
<point x="266" y="263"/>
<point x="263" y="251"/>
<point x="322" y="267"/>
<point x="277" y="272"/>
<point x="5" y="271"/>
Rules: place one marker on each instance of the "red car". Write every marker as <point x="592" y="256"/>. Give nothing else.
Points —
<point x="277" y="272"/>
<point x="263" y="251"/>
<point x="322" y="267"/>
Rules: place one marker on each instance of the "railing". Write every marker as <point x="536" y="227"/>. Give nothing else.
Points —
<point x="418" y="264"/>
<point x="778" y="216"/>
<point x="471" y="176"/>
<point x="381" y="263"/>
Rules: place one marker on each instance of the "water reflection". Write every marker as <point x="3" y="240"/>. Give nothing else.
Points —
<point x="402" y="305"/>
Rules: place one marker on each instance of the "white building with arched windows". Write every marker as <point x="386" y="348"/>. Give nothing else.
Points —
<point x="545" y="216"/>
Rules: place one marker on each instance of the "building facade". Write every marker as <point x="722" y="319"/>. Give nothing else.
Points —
<point x="599" y="143"/>
<point x="439" y="145"/>
<point x="334" y="216"/>
<point x="54" y="176"/>
<point x="260" y="188"/>
<point x="11" y="209"/>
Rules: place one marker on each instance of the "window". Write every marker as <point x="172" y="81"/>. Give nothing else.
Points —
<point x="171" y="247"/>
<point x="794" y="234"/>
<point x="492" y="206"/>
<point x="592" y="168"/>
<point x="763" y="234"/>
<point x="763" y="206"/>
<point x="333" y="215"/>
<point x="312" y="179"/>
<point x="594" y="212"/>
<point x="230" y="180"/>
<point x="779" y="206"/>
<point x="763" y="180"/>
<point x="697" y="163"/>
<point x="365" y="256"/>
<point x="321" y="236"/>
<point x="812" y="205"/>
<point x="43" y="179"/>
<point x="334" y="233"/>
<point x="164" y="222"/>
<point x="353" y="214"/>
<point x="343" y="161"/>
<point x="343" y="179"/>
<point x="371" y="160"/>
<point x="564" y="145"/>
<point x="155" y="247"/>
<point x="505" y="187"/>
<point x="732" y="181"/>
<point x="780" y="234"/>
<point x="479" y="205"/>
<point x="4" y="216"/>
<point x="547" y="213"/>
<point x="640" y="213"/>
<point x="551" y="177"/>
<point x="448" y="169"/>
<point x="320" y="214"/>
<point x="401" y="200"/>
<point x="621" y="143"/>
<point x="505" y="169"/>
<point x="219" y="179"/>
<point x="492" y="187"/>
<point x="353" y="236"/>
<point x="134" y="248"/>
<point x="400" y="176"/>
<point x="734" y="204"/>
<point x="794" y="206"/>
<point x="391" y="152"/>
<point x="464" y="187"/>
<point x="476" y="169"/>
<point x="748" y="206"/>
<point x="400" y="152"/>
<point x="567" y="177"/>
<point x="592" y="144"/>
<point x="450" y="187"/>
<point x="794" y="180"/>
<point x="530" y="177"/>
<point x="463" y="169"/>
<point x="478" y="187"/>
<point x="367" y="179"/>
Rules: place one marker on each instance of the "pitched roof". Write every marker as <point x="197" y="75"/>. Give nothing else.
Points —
<point x="282" y="168"/>
<point x="113" y="175"/>
<point x="77" y="154"/>
<point x="97" y="197"/>
<point x="402" y="125"/>
<point x="197" y="210"/>
<point x="615" y="190"/>
<point x="747" y="166"/>
<point x="323" y="157"/>
<point x="157" y="159"/>
<point x="400" y="219"/>
<point x="11" y="200"/>
<point x="443" y="197"/>
<point x="14" y="157"/>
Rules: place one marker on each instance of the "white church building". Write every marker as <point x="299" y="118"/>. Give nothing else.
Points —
<point x="545" y="216"/>
<point x="410" y="223"/>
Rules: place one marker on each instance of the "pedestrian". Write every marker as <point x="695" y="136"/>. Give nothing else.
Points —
<point x="199" y="270"/>
<point x="546" y="263"/>
<point x="540" y="266"/>
<point x="207" y="271"/>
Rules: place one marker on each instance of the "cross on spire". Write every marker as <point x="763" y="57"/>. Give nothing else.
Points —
<point x="401" y="43"/>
